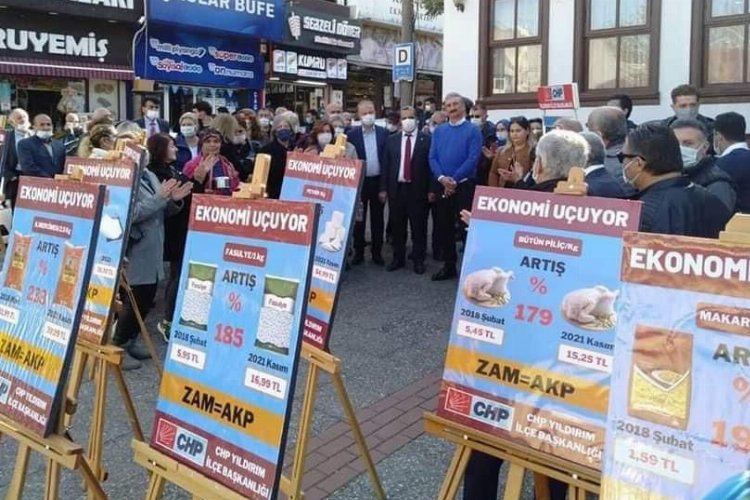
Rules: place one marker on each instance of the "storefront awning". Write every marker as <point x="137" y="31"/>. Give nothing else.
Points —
<point x="64" y="69"/>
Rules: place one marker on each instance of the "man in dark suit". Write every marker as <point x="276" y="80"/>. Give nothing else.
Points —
<point x="601" y="182"/>
<point x="405" y="182"/>
<point x="369" y="140"/>
<point x="40" y="155"/>
<point x="733" y="157"/>
<point x="150" y="121"/>
<point x="19" y="119"/>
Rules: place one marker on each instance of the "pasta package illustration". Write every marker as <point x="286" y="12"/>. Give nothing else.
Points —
<point x="47" y="271"/>
<point x="678" y="423"/>
<point x="236" y="338"/>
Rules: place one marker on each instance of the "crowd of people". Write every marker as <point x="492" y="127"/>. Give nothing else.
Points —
<point x="691" y="172"/>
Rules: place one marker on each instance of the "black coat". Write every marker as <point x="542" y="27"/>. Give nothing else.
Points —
<point x="163" y="125"/>
<point x="737" y="165"/>
<point x="420" y="164"/>
<point x="176" y="225"/>
<point x="278" y="164"/>
<point x="679" y="206"/>
<point x="603" y="184"/>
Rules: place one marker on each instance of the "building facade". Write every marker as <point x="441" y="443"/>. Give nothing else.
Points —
<point x="500" y="51"/>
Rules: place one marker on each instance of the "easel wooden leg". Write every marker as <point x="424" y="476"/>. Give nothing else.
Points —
<point x="455" y="473"/>
<point x="15" y="488"/>
<point x="300" y="451"/>
<point x="364" y="453"/>
<point x="75" y="380"/>
<point x="141" y="324"/>
<point x="96" y="435"/>
<point x="514" y="483"/>
<point x="93" y="486"/>
<point x="127" y="400"/>
<point x="155" y="487"/>
<point x="52" y="481"/>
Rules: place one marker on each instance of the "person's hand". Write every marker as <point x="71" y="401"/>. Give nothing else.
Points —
<point x="383" y="196"/>
<point x="207" y="163"/>
<point x="487" y="152"/>
<point x="466" y="216"/>
<point x="182" y="191"/>
<point x="510" y="176"/>
<point x="448" y="182"/>
<point x="167" y="186"/>
<point x="431" y="198"/>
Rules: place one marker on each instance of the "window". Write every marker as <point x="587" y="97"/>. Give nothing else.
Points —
<point x="720" y="62"/>
<point x="617" y="49"/>
<point x="513" y="51"/>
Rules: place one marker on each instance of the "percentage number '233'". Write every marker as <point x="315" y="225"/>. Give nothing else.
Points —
<point x="534" y="314"/>
<point x="227" y="334"/>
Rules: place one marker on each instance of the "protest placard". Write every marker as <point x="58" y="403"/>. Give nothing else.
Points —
<point x="530" y="351"/>
<point x="229" y="378"/>
<point x="680" y="393"/>
<point x="47" y="267"/>
<point x="120" y="177"/>
<point x="334" y="184"/>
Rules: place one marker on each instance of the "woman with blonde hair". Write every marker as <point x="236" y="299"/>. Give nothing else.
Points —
<point x="232" y="138"/>
<point x="101" y="141"/>
<point x="187" y="140"/>
<point x="129" y="130"/>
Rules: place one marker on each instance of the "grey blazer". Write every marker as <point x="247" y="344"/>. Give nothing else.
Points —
<point x="146" y="245"/>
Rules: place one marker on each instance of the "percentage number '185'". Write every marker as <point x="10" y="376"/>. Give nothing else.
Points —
<point x="227" y="334"/>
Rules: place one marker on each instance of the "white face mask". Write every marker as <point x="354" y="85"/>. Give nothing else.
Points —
<point x="324" y="139"/>
<point x="625" y="178"/>
<point x="23" y="127"/>
<point x="689" y="156"/>
<point x="428" y="107"/>
<point x="152" y="114"/>
<point x="409" y="125"/>
<point x="432" y="128"/>
<point x="502" y="136"/>
<point x="240" y="139"/>
<point x="265" y="122"/>
<point x="368" y="120"/>
<point x="689" y="113"/>
<point x="188" y="130"/>
<point x="392" y="127"/>
<point x="338" y="131"/>
<point x="44" y="134"/>
<point x="476" y="121"/>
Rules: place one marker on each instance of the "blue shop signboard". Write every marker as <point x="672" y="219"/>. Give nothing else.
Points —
<point x="178" y="56"/>
<point x="255" y="18"/>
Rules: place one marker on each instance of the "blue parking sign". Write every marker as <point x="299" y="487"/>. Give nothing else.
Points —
<point x="404" y="63"/>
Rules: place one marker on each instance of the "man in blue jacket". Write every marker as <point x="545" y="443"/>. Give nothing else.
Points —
<point x="733" y="154"/>
<point x="454" y="154"/>
<point x="40" y="155"/>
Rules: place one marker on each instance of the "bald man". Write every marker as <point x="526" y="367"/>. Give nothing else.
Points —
<point x="40" y="155"/>
<point x="19" y="120"/>
<point x="569" y="124"/>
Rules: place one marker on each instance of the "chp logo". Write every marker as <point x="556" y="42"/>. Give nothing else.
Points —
<point x="480" y="409"/>
<point x="557" y="93"/>
<point x="4" y="390"/>
<point x="182" y="442"/>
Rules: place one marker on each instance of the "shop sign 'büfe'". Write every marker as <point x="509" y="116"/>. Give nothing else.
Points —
<point x="229" y="377"/>
<point x="46" y="269"/>
<point x="334" y="183"/>
<point x="530" y="353"/>
<point x="255" y="18"/>
<point x="679" y="411"/>
<point x="119" y="178"/>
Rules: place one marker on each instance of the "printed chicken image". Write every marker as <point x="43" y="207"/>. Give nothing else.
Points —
<point x="488" y="287"/>
<point x="591" y="308"/>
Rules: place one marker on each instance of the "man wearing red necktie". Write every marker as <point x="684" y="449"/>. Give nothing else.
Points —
<point x="405" y="182"/>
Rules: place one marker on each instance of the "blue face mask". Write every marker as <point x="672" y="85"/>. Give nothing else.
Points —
<point x="284" y="134"/>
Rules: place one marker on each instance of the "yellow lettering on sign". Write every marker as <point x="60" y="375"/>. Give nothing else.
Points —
<point x="31" y="358"/>
<point x="99" y="294"/>
<point x="322" y="300"/>
<point x="558" y="386"/>
<point x="252" y="420"/>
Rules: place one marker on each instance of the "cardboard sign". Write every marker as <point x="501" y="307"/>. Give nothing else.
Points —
<point x="334" y="183"/>
<point x="680" y="400"/>
<point x="46" y="270"/>
<point x="531" y="344"/>
<point x="229" y="377"/>
<point x="558" y="96"/>
<point x="120" y="178"/>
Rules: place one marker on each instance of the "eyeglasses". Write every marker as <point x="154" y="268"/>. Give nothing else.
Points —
<point x="621" y="157"/>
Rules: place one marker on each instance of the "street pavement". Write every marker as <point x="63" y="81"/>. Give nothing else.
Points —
<point x="390" y="333"/>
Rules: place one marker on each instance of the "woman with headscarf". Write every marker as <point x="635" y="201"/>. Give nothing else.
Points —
<point x="211" y="171"/>
<point x="284" y="135"/>
<point x="187" y="140"/>
<point x="513" y="162"/>
<point x="154" y="201"/>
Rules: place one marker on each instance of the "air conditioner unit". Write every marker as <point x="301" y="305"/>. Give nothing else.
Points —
<point x="500" y="85"/>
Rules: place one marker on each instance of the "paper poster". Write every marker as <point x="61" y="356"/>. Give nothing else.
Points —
<point x="531" y="345"/>
<point x="679" y="414"/>
<point x="120" y="178"/>
<point x="334" y="184"/>
<point x="226" y="394"/>
<point x="47" y="266"/>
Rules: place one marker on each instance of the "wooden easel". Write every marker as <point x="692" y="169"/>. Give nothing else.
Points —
<point x="320" y="360"/>
<point x="58" y="448"/>
<point x="165" y="469"/>
<point x="580" y="480"/>
<point x="105" y="359"/>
